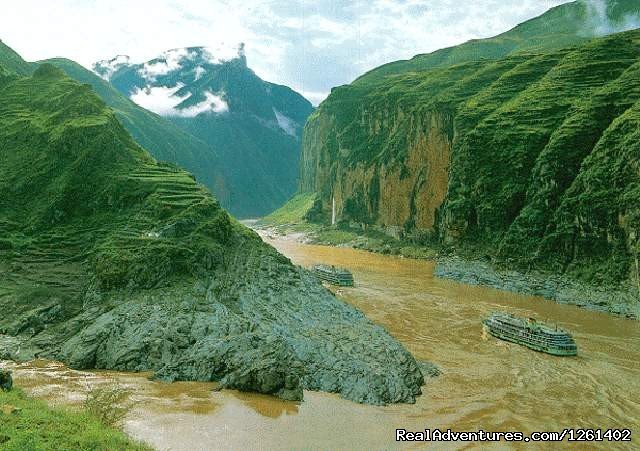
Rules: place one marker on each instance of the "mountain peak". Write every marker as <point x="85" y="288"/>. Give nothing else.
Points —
<point x="48" y="71"/>
<point x="190" y="81"/>
<point x="198" y="59"/>
<point x="175" y="62"/>
<point x="106" y="68"/>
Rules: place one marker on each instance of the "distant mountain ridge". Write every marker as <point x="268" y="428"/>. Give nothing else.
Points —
<point x="561" y="26"/>
<point x="164" y="140"/>
<point x="239" y="135"/>
<point x="12" y="62"/>
<point x="254" y="126"/>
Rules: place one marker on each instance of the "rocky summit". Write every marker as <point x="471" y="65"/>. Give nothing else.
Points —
<point x="112" y="260"/>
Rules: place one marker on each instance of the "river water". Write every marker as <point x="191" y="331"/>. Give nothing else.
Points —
<point x="485" y="383"/>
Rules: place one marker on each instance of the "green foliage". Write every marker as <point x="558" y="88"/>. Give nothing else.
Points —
<point x="562" y="26"/>
<point x="163" y="139"/>
<point x="110" y="404"/>
<point x="80" y="201"/>
<point x="12" y="62"/>
<point x="35" y="426"/>
<point x="335" y="237"/>
<point x="293" y="212"/>
<point x="543" y="150"/>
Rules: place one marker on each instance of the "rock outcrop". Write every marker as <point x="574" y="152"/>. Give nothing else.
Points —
<point x="109" y="259"/>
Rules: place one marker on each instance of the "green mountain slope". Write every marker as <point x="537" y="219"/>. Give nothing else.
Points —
<point x="564" y="25"/>
<point x="531" y="159"/>
<point x="109" y="259"/>
<point x="255" y="126"/>
<point x="248" y="157"/>
<point x="12" y="62"/>
<point x="164" y="140"/>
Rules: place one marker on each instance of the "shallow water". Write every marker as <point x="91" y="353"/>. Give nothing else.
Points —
<point x="486" y="383"/>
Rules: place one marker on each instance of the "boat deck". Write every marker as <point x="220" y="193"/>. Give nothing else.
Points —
<point x="534" y="335"/>
<point x="333" y="275"/>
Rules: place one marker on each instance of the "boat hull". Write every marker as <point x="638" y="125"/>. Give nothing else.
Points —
<point x="519" y="337"/>
<point x="340" y="278"/>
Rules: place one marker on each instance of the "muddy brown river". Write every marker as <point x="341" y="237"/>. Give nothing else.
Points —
<point x="485" y="383"/>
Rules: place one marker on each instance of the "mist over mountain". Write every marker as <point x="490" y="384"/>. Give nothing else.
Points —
<point x="253" y="125"/>
<point x="603" y="17"/>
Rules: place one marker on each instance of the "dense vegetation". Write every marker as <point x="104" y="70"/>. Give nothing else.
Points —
<point x="85" y="182"/>
<point x="29" y="424"/>
<point x="12" y="62"/>
<point x="243" y="156"/>
<point x="531" y="159"/>
<point x="109" y="259"/>
<point x="164" y="140"/>
<point x="293" y="211"/>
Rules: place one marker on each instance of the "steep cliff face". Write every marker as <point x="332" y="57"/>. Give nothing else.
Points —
<point x="403" y="195"/>
<point x="530" y="158"/>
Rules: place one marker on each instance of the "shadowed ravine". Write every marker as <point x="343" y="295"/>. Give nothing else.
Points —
<point x="486" y="384"/>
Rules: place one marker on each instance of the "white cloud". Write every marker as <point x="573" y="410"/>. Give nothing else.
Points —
<point x="159" y="99"/>
<point x="601" y="24"/>
<point x="213" y="103"/>
<point x="311" y="45"/>
<point x="110" y="66"/>
<point x="199" y="71"/>
<point x="164" y="101"/>
<point x="222" y="52"/>
<point x="287" y="124"/>
<point x="166" y="63"/>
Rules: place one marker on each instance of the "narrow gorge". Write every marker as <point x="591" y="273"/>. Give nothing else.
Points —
<point x="530" y="160"/>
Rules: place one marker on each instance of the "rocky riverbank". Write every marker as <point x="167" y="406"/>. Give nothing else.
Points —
<point x="243" y="326"/>
<point x="558" y="288"/>
<point x="618" y="301"/>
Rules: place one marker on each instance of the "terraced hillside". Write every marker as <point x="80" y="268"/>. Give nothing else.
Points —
<point x="529" y="160"/>
<point x="109" y="259"/>
<point x="164" y="140"/>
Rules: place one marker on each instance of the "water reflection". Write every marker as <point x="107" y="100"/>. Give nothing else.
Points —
<point x="265" y="405"/>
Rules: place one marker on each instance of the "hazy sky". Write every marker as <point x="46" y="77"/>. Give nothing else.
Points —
<point x="310" y="45"/>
